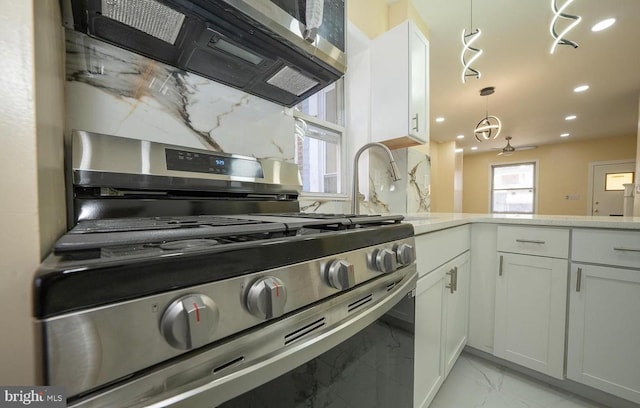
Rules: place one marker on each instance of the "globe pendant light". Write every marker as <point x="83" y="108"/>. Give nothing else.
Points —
<point x="489" y="127"/>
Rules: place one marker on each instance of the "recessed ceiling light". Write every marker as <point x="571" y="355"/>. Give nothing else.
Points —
<point x="581" y="88"/>
<point x="460" y="137"/>
<point x="603" y="25"/>
<point x="570" y="117"/>
<point x="459" y="150"/>
<point x="564" y="135"/>
<point x="440" y="119"/>
<point x="474" y="148"/>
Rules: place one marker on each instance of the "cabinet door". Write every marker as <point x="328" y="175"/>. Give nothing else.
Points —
<point x="429" y="325"/>
<point x="457" y="310"/>
<point x="531" y="299"/>
<point x="604" y="329"/>
<point x="418" y="84"/>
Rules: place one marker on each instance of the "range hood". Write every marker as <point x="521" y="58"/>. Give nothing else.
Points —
<point x="251" y="45"/>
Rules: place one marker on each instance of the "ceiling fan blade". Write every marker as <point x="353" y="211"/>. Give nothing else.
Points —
<point x="525" y="147"/>
<point x="500" y="154"/>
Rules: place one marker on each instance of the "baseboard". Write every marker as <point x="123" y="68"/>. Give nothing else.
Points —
<point x="573" y="387"/>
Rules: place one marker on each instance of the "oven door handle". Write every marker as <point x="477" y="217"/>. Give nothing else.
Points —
<point x="223" y="389"/>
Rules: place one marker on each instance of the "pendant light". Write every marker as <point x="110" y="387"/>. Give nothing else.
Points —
<point x="467" y="41"/>
<point x="489" y="127"/>
<point x="558" y="39"/>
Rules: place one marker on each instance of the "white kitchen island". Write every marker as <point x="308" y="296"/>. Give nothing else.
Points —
<point x="555" y="296"/>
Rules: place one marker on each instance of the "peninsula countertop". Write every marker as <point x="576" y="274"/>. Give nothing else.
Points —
<point x="430" y="222"/>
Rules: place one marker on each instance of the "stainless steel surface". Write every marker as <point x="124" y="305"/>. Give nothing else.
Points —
<point x="578" y="279"/>
<point x="266" y="298"/>
<point x="395" y="173"/>
<point x="451" y="285"/>
<point x="221" y="373"/>
<point x="501" y="261"/>
<point x="455" y="278"/>
<point x="405" y="253"/>
<point x="189" y="322"/>
<point x="103" y="330"/>
<point x="94" y="152"/>
<point x="529" y="241"/>
<point x="341" y="274"/>
<point x="386" y="261"/>
<point x="281" y="23"/>
<point x="627" y="249"/>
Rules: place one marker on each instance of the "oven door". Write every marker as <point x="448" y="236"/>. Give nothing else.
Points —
<point x="372" y="368"/>
<point x="353" y="350"/>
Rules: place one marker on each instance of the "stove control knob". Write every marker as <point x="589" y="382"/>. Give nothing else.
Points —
<point x="405" y="253"/>
<point x="341" y="274"/>
<point x="266" y="298"/>
<point x="385" y="261"/>
<point x="189" y="322"/>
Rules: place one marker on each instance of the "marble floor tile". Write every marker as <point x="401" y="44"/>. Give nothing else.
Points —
<point x="474" y="382"/>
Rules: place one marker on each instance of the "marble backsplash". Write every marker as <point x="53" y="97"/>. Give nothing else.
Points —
<point x="113" y="91"/>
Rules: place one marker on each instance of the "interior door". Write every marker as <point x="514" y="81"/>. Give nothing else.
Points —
<point x="608" y="195"/>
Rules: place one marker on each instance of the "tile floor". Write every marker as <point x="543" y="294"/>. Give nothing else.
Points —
<point x="475" y="382"/>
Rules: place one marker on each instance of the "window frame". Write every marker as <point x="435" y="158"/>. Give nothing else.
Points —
<point x="535" y="164"/>
<point x="342" y="145"/>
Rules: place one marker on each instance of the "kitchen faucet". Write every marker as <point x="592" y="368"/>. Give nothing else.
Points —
<point x="395" y="173"/>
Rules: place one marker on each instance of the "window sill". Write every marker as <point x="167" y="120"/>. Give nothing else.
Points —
<point x="324" y="196"/>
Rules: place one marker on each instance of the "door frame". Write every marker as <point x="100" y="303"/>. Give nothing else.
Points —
<point x="592" y="166"/>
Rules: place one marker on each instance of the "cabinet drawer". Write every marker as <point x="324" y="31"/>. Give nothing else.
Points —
<point x="551" y="242"/>
<point x="436" y="248"/>
<point x="609" y="247"/>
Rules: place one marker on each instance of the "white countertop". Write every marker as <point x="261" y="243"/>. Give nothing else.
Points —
<point x="429" y="222"/>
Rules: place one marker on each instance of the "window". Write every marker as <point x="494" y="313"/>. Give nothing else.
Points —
<point x="319" y="130"/>
<point x="616" y="181"/>
<point x="513" y="188"/>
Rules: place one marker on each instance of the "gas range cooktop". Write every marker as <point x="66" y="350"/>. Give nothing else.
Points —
<point x="154" y="235"/>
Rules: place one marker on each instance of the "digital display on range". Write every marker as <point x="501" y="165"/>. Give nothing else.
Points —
<point x="182" y="160"/>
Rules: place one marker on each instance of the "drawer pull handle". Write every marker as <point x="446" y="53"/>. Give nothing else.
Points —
<point x="530" y="241"/>
<point x="455" y="278"/>
<point x="626" y="249"/>
<point x="500" y="270"/>
<point x="579" y="279"/>
<point x="451" y="286"/>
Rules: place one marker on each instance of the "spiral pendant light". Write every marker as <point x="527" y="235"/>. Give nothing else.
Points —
<point x="467" y="42"/>
<point x="558" y="39"/>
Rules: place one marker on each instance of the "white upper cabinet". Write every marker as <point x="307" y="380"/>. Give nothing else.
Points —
<point x="400" y="87"/>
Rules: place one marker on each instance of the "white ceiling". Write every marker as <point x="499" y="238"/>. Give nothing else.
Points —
<point x="534" y="89"/>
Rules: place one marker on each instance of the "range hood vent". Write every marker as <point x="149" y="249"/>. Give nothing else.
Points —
<point x="218" y="39"/>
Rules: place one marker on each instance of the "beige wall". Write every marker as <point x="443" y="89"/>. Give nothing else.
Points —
<point x="31" y="128"/>
<point x="563" y="170"/>
<point x="443" y="175"/>
<point x="370" y="16"/>
<point x="636" y="201"/>
<point x="374" y="17"/>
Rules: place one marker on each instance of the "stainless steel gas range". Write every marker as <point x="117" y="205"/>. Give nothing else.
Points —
<point x="189" y="278"/>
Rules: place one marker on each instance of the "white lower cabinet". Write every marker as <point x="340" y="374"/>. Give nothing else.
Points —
<point x="530" y="312"/>
<point x="604" y="329"/>
<point x="442" y="298"/>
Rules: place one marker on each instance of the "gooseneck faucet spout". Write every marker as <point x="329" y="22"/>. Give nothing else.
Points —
<point x="395" y="173"/>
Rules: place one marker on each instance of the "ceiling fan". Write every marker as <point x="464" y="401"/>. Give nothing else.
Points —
<point x="508" y="150"/>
